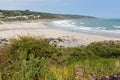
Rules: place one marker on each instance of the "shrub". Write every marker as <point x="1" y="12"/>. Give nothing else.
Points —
<point x="39" y="47"/>
<point x="26" y="58"/>
<point x="32" y="58"/>
<point x="104" y="50"/>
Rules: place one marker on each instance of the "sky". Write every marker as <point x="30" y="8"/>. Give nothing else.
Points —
<point x="96" y="8"/>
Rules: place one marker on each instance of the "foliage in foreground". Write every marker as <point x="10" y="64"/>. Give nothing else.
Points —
<point x="28" y="58"/>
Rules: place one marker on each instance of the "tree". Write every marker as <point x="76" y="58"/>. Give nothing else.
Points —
<point x="27" y="12"/>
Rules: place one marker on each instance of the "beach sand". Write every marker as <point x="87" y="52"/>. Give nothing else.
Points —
<point x="37" y="28"/>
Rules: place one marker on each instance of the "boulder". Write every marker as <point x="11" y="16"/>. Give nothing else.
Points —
<point x="3" y="41"/>
<point x="2" y="22"/>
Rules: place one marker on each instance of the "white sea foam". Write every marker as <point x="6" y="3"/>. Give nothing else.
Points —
<point x="64" y="23"/>
<point x="82" y="23"/>
<point x="97" y="30"/>
<point x="70" y="24"/>
<point x="116" y="26"/>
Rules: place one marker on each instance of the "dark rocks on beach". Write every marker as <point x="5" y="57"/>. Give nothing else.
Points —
<point x="112" y="42"/>
<point x="3" y="41"/>
<point x="2" y="22"/>
<point x="53" y="40"/>
<point x="64" y="41"/>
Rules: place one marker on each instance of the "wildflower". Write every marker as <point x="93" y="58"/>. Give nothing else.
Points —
<point x="115" y="76"/>
<point x="83" y="79"/>
<point x="118" y="77"/>
<point x="93" y="75"/>
<point x="107" y="77"/>
<point x="99" y="78"/>
<point x="80" y="72"/>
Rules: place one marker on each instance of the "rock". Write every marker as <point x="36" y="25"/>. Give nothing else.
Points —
<point x="2" y="22"/>
<point x="112" y="42"/>
<point x="3" y="41"/>
<point x="53" y="41"/>
<point x="61" y="39"/>
<point x="64" y="41"/>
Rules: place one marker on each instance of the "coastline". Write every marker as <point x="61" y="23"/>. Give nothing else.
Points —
<point x="71" y="26"/>
<point x="39" y="29"/>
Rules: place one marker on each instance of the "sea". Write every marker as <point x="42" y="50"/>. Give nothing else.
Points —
<point x="105" y="27"/>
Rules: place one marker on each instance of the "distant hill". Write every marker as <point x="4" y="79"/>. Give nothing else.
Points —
<point x="18" y="15"/>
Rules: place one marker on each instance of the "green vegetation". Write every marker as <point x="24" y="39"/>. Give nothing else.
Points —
<point x="19" y="15"/>
<point x="29" y="58"/>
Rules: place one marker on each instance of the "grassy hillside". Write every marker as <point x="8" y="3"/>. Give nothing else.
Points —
<point x="29" y="58"/>
<point x="13" y="15"/>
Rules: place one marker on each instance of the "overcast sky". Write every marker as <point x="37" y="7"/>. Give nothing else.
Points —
<point x="97" y="8"/>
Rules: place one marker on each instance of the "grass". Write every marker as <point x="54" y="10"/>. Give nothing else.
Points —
<point x="28" y="58"/>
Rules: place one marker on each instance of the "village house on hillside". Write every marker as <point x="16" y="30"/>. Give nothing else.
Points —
<point x="1" y="13"/>
<point x="1" y="16"/>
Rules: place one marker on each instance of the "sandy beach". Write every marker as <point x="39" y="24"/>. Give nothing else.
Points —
<point x="37" y="28"/>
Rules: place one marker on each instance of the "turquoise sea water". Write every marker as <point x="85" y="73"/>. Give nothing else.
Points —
<point x="107" y="27"/>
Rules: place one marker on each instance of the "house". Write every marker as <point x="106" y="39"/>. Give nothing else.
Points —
<point x="1" y="14"/>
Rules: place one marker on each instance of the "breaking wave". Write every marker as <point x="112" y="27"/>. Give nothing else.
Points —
<point x="72" y="25"/>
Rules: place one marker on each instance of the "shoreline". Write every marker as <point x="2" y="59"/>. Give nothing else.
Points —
<point x="39" y="29"/>
<point x="73" y="28"/>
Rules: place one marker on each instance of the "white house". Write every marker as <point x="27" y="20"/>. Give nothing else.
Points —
<point x="1" y="14"/>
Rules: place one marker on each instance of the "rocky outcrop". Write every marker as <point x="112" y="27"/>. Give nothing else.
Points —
<point x="111" y="42"/>
<point x="2" y="22"/>
<point x="64" y="41"/>
<point x="3" y="41"/>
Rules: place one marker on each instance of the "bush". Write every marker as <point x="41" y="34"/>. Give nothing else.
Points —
<point x="104" y="50"/>
<point x="26" y="58"/>
<point x="35" y="59"/>
<point x="39" y="47"/>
